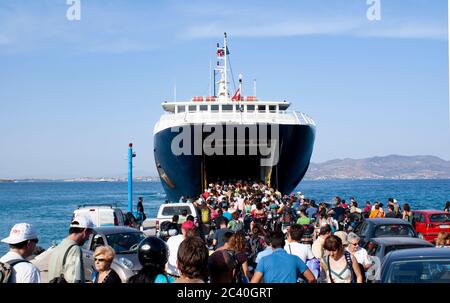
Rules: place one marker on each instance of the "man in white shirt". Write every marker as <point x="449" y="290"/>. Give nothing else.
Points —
<point x="358" y="252"/>
<point x="293" y="245"/>
<point x="174" y="243"/>
<point x="22" y="241"/>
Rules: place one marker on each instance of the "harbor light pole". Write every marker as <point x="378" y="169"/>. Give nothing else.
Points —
<point x="131" y="155"/>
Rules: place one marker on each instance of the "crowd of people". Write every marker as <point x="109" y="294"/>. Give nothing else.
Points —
<point x="241" y="233"/>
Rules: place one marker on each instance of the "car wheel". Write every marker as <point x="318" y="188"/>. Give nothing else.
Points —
<point x="420" y="236"/>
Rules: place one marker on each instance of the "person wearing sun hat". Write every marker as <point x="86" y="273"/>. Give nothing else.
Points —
<point x="72" y="270"/>
<point x="22" y="241"/>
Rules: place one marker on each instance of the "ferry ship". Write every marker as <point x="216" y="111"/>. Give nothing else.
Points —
<point x="227" y="137"/>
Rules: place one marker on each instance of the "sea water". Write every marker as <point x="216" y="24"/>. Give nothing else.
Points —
<point x="49" y="205"/>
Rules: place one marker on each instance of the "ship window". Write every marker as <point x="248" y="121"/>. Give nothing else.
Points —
<point x="203" y="108"/>
<point x="272" y="108"/>
<point x="261" y="108"/>
<point x="181" y="108"/>
<point x="192" y="108"/>
<point x="227" y="107"/>
<point x="215" y="108"/>
<point x="250" y="108"/>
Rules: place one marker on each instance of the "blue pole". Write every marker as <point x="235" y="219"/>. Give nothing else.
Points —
<point x="130" y="177"/>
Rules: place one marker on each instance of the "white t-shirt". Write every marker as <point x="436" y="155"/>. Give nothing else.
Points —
<point x="303" y="251"/>
<point x="173" y="243"/>
<point x="23" y="272"/>
<point x="361" y="256"/>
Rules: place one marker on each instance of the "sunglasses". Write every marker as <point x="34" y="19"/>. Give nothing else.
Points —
<point x="34" y="240"/>
<point x="99" y="260"/>
<point x="355" y="244"/>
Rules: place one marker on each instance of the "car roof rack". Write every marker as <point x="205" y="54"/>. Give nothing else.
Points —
<point x="111" y="205"/>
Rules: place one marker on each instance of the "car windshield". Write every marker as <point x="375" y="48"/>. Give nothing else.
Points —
<point x="399" y="247"/>
<point x="125" y="242"/>
<point x="394" y="230"/>
<point x="440" y="218"/>
<point x="420" y="271"/>
<point x="175" y="210"/>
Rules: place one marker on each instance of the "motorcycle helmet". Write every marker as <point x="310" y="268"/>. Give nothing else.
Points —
<point x="153" y="251"/>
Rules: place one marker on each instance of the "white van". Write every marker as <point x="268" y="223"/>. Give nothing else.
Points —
<point x="102" y="214"/>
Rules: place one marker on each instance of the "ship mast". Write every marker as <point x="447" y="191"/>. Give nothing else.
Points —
<point x="225" y="63"/>
<point x="223" y="82"/>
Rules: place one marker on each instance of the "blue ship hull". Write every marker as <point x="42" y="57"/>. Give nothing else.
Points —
<point x="188" y="175"/>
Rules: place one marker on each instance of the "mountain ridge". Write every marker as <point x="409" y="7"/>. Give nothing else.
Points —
<point x="381" y="167"/>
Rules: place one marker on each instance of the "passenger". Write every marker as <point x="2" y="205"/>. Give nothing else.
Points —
<point x="192" y="261"/>
<point x="267" y="249"/>
<point x="447" y="207"/>
<point x="312" y="210"/>
<point x="359" y="253"/>
<point x="173" y="244"/>
<point x="382" y="214"/>
<point x="226" y="241"/>
<point x="140" y="214"/>
<point x="103" y="257"/>
<point x="22" y="241"/>
<point x="354" y="207"/>
<point x="304" y="219"/>
<point x="317" y="247"/>
<point x="339" y="265"/>
<point x="182" y="216"/>
<point x="66" y="259"/>
<point x="376" y="212"/>
<point x="234" y="223"/>
<point x="153" y="254"/>
<point x="237" y="246"/>
<point x="270" y="270"/>
<point x="407" y="214"/>
<point x="219" y="234"/>
<point x="374" y="204"/>
<point x="391" y="212"/>
<point x="368" y="207"/>
<point x="221" y="267"/>
<point x="294" y="246"/>
<point x="227" y="214"/>
<point x="443" y="239"/>
<point x="220" y="218"/>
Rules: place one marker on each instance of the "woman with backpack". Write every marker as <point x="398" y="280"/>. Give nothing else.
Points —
<point x="339" y="265"/>
<point x="237" y="247"/>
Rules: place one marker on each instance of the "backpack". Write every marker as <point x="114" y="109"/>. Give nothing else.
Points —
<point x="206" y="218"/>
<point x="6" y="269"/>
<point x="238" y="226"/>
<point x="255" y="247"/>
<point x="239" y="276"/>
<point x="61" y="278"/>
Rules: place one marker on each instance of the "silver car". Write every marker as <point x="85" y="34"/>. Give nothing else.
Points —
<point x="124" y="240"/>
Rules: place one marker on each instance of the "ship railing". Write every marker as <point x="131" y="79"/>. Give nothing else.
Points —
<point x="294" y="117"/>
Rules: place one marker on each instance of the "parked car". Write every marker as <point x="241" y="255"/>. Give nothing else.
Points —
<point x="124" y="241"/>
<point x="378" y="248"/>
<point x="418" y="265"/>
<point x="428" y="223"/>
<point x="382" y="228"/>
<point x="101" y="214"/>
<point x="165" y="213"/>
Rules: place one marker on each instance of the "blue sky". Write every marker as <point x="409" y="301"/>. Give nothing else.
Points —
<point x="73" y="94"/>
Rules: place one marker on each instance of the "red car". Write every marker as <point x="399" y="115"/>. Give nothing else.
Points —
<point x="428" y="223"/>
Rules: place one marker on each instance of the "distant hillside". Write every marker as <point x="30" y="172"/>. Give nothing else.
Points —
<point x="389" y="167"/>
